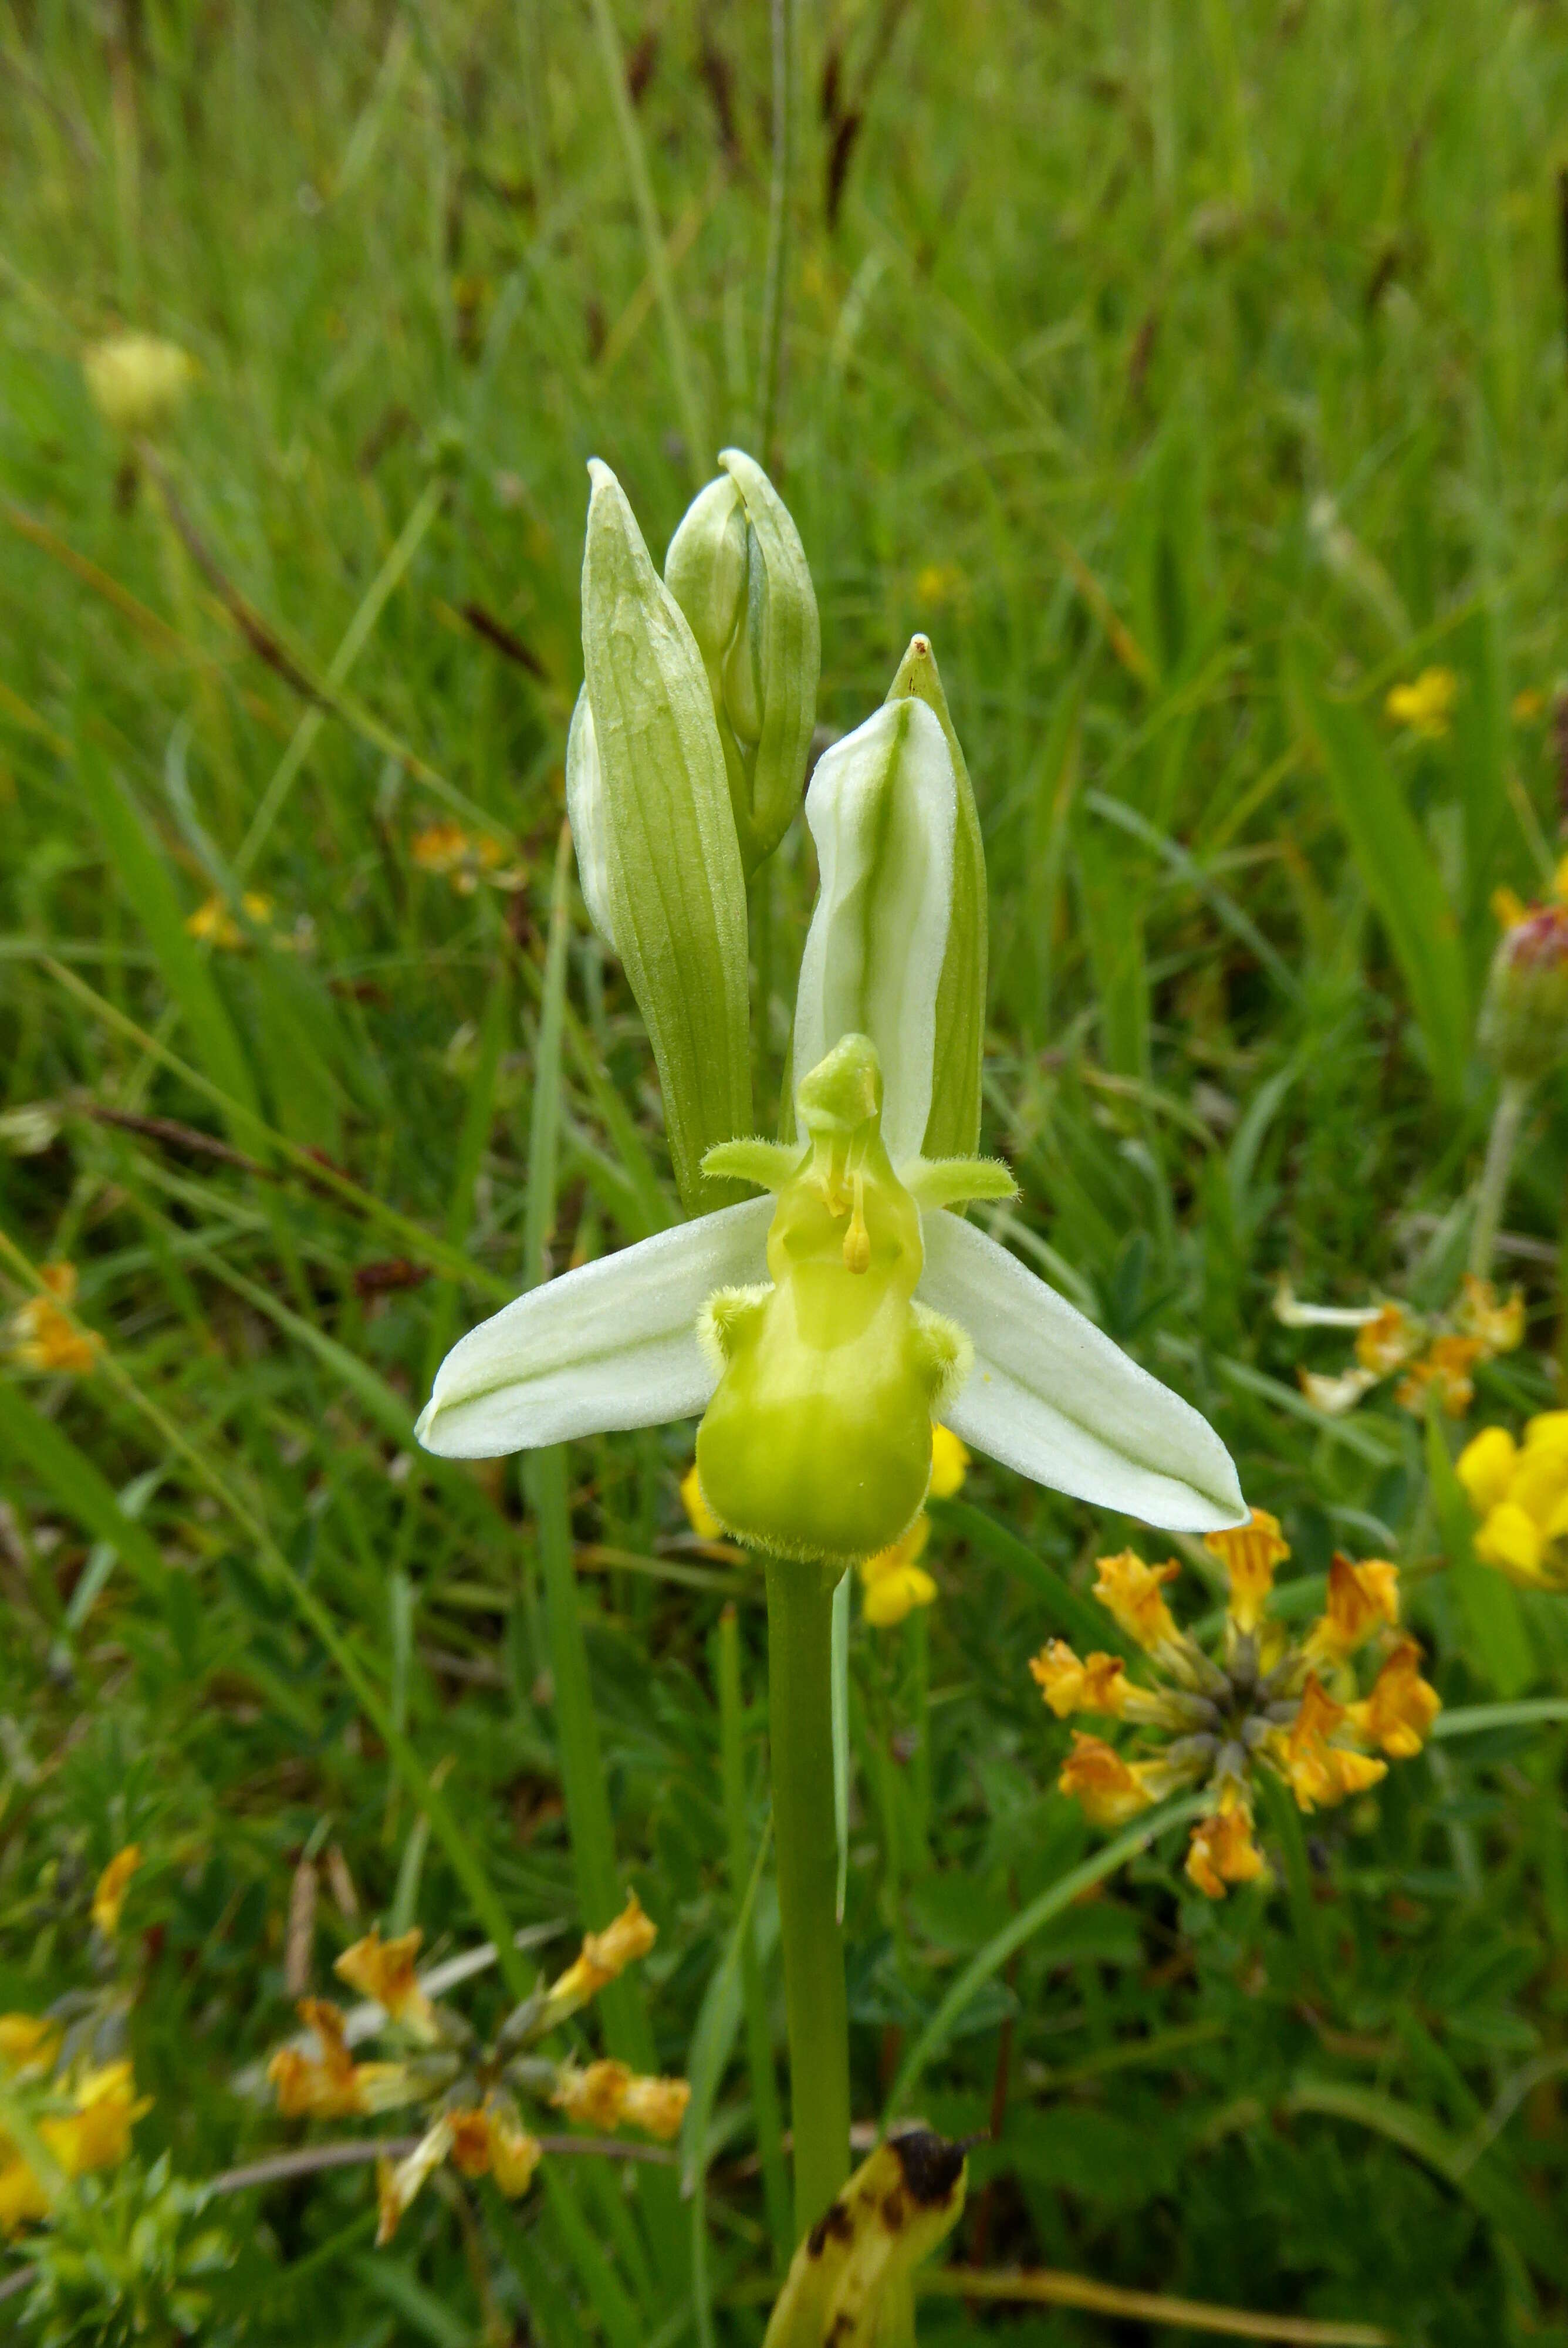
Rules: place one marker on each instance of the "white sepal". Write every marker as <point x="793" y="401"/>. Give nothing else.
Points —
<point x="611" y="1344"/>
<point x="1052" y="1395"/>
<point x="882" y="808"/>
<point x="585" y="806"/>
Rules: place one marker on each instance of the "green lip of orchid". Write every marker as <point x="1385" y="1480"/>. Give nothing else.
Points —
<point x="819" y="1379"/>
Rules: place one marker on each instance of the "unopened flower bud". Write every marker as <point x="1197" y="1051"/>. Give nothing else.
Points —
<point x="662" y="872"/>
<point x="137" y="383"/>
<point x="738" y="571"/>
<point x="1524" y="1017"/>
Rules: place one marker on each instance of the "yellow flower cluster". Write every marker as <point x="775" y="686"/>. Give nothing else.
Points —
<point x="213" y="924"/>
<point x="1520" y="1494"/>
<point x="1436" y="1356"/>
<point x="83" y="2119"/>
<point x="1290" y="1706"/>
<point x="472" y="2117"/>
<point x="43" y="1337"/>
<point x="109" y="1891"/>
<point x="463" y="858"/>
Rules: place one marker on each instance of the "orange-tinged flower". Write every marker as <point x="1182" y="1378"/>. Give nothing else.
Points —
<point x="595" y="2095"/>
<point x="1108" y="1789"/>
<point x="470" y="2142"/>
<point x="1387" y="1342"/>
<point x="1497" y="1324"/>
<point x="604" y="1957"/>
<point x="1129" y="1590"/>
<point x="1223" y="1851"/>
<point x="28" y="2041"/>
<point x="333" y="2086"/>
<point x="1361" y="1599"/>
<point x="656" y="2105"/>
<point x="1100" y="1683"/>
<point x="466" y="858"/>
<point x="1249" y="1553"/>
<point x="514" y="2154"/>
<point x="109" y="1895"/>
<point x="43" y="1337"/>
<point x="1403" y="1706"/>
<point x="1321" y="1773"/>
<point x="1445" y="1365"/>
<point x="383" y="1971"/>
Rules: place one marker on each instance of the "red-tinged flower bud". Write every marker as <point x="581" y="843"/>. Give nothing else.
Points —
<point x="1524" y="1018"/>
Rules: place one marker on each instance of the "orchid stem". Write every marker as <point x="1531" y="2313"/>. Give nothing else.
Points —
<point x="800" y="1725"/>
<point x="1507" y="1119"/>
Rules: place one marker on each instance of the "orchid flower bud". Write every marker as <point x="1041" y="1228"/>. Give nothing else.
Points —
<point x="953" y="1125"/>
<point x="1524" y="1015"/>
<point x="738" y="571"/>
<point x="657" y="853"/>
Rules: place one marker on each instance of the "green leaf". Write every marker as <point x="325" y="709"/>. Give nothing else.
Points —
<point x="1401" y="879"/>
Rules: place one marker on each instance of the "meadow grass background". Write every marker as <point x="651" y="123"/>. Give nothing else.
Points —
<point x="1191" y="370"/>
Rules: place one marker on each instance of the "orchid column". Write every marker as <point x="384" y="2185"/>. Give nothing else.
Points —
<point x="823" y="1328"/>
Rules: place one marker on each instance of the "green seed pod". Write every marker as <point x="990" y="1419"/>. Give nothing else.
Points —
<point x="1524" y="1017"/>
<point x="739" y="572"/>
<point x="657" y="851"/>
<point x="953" y="1127"/>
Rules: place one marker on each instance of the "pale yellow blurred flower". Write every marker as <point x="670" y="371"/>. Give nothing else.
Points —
<point x="108" y="1894"/>
<point x="42" y="1337"/>
<point x="137" y="383"/>
<point x="1425" y="707"/>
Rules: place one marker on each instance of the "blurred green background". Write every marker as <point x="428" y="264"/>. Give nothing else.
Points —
<point x="1195" y="372"/>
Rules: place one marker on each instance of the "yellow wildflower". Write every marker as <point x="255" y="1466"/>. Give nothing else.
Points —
<point x="595" y="2095"/>
<point x="1426" y="707"/>
<point x="656" y="2105"/>
<point x="45" y="1338"/>
<point x="1403" y="1706"/>
<point x="1100" y="1683"/>
<point x="213" y="924"/>
<point x="1333" y="1395"/>
<point x="938" y="583"/>
<point x="465" y="858"/>
<point x="22" y="2197"/>
<point x="28" y="2041"/>
<point x="1485" y="1467"/>
<point x="1223" y="1851"/>
<point x="470" y="2153"/>
<point x="1249" y="1553"/>
<point x="1321" y="1773"/>
<point x="383" y="1971"/>
<point x="398" y="2182"/>
<point x="1386" y="1343"/>
<point x="96" y="2134"/>
<point x="1129" y="1591"/>
<point x="1361" y="1599"/>
<point x="893" y="1582"/>
<point x="699" y="1515"/>
<point x="1108" y="1789"/>
<point x="1519" y="1492"/>
<point x="333" y="2086"/>
<point x="949" y="1462"/>
<point x="514" y="2153"/>
<point x="1447" y="1365"/>
<point x="108" y="1894"/>
<point x="137" y="383"/>
<point x="1497" y="1325"/>
<point x="604" y="1957"/>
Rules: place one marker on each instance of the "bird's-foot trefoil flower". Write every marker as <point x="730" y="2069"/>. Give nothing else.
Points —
<point x="1265" y="1702"/>
<point x="467" y="2091"/>
<point x="1437" y="1353"/>
<point x="1520" y="1494"/>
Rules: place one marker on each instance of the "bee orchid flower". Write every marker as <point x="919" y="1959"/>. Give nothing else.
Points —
<point x="823" y="1328"/>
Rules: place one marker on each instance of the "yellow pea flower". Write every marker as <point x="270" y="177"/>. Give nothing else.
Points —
<point x="1426" y="707"/>
<point x="109" y="1894"/>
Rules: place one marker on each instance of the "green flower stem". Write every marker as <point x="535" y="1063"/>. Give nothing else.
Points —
<point x="1507" y="1118"/>
<point x="800" y="1616"/>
